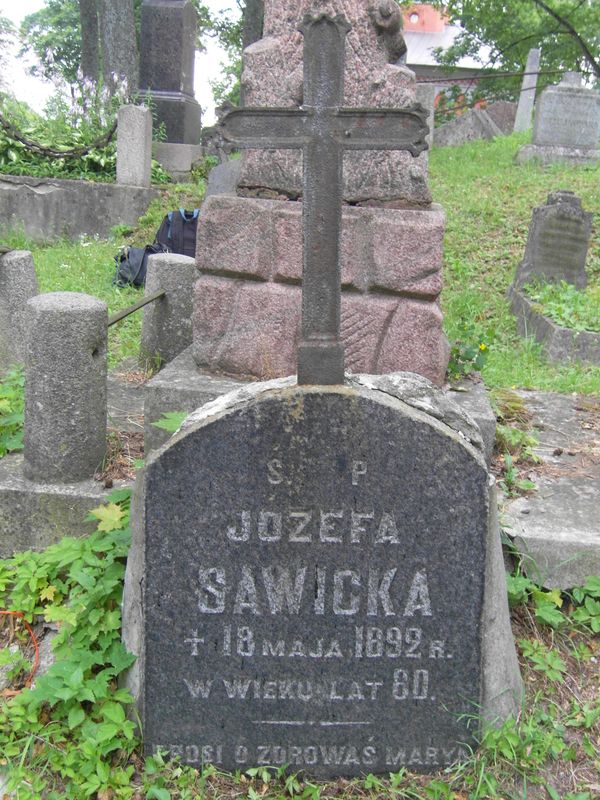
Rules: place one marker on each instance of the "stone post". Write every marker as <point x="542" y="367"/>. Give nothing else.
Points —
<point x="167" y="322"/>
<point x="134" y="146"/>
<point x="65" y="387"/>
<point x="18" y="284"/>
<point x="527" y="95"/>
<point x="168" y="33"/>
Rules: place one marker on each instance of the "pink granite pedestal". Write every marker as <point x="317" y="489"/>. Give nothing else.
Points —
<point x="248" y="296"/>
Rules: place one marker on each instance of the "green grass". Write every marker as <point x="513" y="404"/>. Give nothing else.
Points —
<point x="87" y="265"/>
<point x="567" y="305"/>
<point x="488" y="200"/>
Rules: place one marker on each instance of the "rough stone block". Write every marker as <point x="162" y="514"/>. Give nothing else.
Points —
<point x="167" y="322"/>
<point x="251" y="328"/>
<point x="392" y="250"/>
<point x="272" y="76"/>
<point x="18" y="284"/>
<point x="134" y="146"/>
<point x="65" y="387"/>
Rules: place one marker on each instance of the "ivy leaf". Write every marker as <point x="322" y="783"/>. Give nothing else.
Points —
<point x="48" y="593"/>
<point x="110" y="516"/>
<point x="76" y="716"/>
<point x="170" y="421"/>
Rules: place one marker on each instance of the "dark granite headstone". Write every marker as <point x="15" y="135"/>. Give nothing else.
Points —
<point x="557" y="243"/>
<point x="168" y="37"/>
<point x="314" y="584"/>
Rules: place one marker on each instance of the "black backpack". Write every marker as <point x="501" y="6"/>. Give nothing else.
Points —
<point x="177" y="232"/>
<point x="132" y="263"/>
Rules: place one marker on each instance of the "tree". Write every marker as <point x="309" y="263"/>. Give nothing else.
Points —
<point x="6" y="34"/>
<point x="566" y="31"/>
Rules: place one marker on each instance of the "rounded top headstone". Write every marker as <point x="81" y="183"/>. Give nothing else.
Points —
<point x="314" y="581"/>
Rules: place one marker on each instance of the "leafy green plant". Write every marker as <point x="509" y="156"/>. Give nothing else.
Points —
<point x="587" y="596"/>
<point x="567" y="305"/>
<point x="12" y="411"/>
<point x="75" y="713"/>
<point x="467" y="354"/>
<point x="546" y="661"/>
<point x="170" y="421"/>
<point x="510" y="482"/>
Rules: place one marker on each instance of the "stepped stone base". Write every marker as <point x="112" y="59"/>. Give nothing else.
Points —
<point x="35" y="515"/>
<point x="550" y="154"/>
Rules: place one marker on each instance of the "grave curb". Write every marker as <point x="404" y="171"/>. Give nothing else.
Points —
<point x="560" y="344"/>
<point x="551" y="154"/>
<point x="34" y="515"/>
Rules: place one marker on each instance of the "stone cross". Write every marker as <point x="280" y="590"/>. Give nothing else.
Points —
<point x="323" y="129"/>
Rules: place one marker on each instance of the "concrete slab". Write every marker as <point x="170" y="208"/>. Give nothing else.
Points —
<point x="472" y="397"/>
<point x="557" y="529"/>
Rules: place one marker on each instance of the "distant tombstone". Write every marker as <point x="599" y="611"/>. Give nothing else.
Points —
<point x="502" y="112"/>
<point x="168" y="36"/>
<point x="557" y="243"/>
<point x="567" y="124"/>
<point x="134" y="146"/>
<point x="473" y="124"/>
<point x="527" y="96"/>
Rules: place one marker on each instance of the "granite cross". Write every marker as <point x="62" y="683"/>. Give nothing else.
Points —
<point x="323" y="130"/>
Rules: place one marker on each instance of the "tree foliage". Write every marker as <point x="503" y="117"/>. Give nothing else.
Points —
<point x="566" y="31"/>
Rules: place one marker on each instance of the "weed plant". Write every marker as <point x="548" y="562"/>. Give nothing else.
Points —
<point x="566" y="305"/>
<point x="70" y="735"/>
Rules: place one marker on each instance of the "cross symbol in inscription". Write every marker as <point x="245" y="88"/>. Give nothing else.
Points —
<point x="194" y="640"/>
<point x="323" y="130"/>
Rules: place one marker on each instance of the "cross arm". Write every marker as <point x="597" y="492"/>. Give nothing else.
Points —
<point x="277" y="128"/>
<point x="381" y="129"/>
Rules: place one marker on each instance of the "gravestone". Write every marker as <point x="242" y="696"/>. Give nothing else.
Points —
<point x="557" y="242"/>
<point x="247" y="303"/>
<point x="134" y="146"/>
<point x="527" y="95"/>
<point x="502" y="112"/>
<point x="322" y="577"/>
<point x="323" y="587"/>
<point x="168" y="34"/>
<point x="566" y="125"/>
<point x="473" y="124"/>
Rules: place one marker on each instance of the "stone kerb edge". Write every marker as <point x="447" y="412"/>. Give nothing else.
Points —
<point x="560" y="344"/>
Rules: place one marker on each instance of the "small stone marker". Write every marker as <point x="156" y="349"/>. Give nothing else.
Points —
<point x="557" y="243"/>
<point x="527" y="95"/>
<point x="134" y="145"/>
<point x="567" y="124"/>
<point x="65" y="387"/>
<point x="322" y="579"/>
<point x="18" y="284"/>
